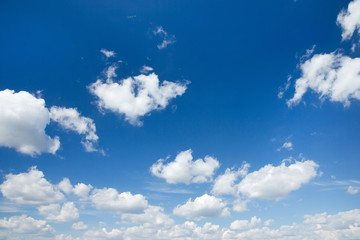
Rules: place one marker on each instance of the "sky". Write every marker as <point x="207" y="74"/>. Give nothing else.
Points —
<point x="185" y="119"/>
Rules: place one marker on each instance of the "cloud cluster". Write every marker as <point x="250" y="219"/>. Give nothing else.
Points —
<point x="67" y="213"/>
<point x="332" y="76"/>
<point x="134" y="97"/>
<point x="184" y="170"/>
<point x="24" y="118"/>
<point x="30" y="188"/>
<point x="349" y="20"/>
<point x="24" y="225"/>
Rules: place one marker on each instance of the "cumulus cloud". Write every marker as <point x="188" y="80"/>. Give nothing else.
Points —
<point x="349" y="20"/>
<point x="275" y="183"/>
<point x="65" y="186"/>
<point x="79" y="226"/>
<point x="82" y="190"/>
<point x="205" y="206"/>
<point x="152" y="216"/>
<point x="110" y="199"/>
<point x="166" y="38"/>
<point x="287" y="145"/>
<point x="333" y="76"/>
<point x="184" y="170"/>
<point x="225" y="184"/>
<point x="67" y="213"/>
<point x="25" y="225"/>
<point x="245" y="224"/>
<point x="134" y="97"/>
<point x="70" y="119"/>
<point x="240" y="205"/>
<point x="107" y="53"/>
<point x="30" y="188"/>
<point x="23" y="119"/>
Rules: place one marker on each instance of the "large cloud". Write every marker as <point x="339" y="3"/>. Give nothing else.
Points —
<point x="69" y="118"/>
<point x="349" y="19"/>
<point x="184" y="170"/>
<point x="30" y="188"/>
<point x="23" y="119"/>
<point x="205" y="206"/>
<point x="275" y="183"/>
<point x="332" y="76"/>
<point x="136" y="96"/>
<point x="110" y="199"/>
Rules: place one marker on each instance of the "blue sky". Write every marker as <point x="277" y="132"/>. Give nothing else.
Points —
<point x="179" y="119"/>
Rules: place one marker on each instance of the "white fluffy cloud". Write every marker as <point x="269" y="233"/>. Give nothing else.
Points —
<point x="349" y="20"/>
<point x="65" y="186"/>
<point x="67" y="213"/>
<point x="82" y="190"/>
<point x="245" y="224"/>
<point x="79" y="226"/>
<point x="152" y="216"/>
<point x="332" y="76"/>
<point x="225" y="184"/>
<point x="23" y="119"/>
<point x="25" y="225"/>
<point x="136" y="96"/>
<point x="275" y="183"/>
<point x="184" y="170"/>
<point x="30" y="188"/>
<point x="70" y="119"/>
<point x="205" y="206"/>
<point x="110" y="199"/>
<point x="107" y="53"/>
<point x="166" y="38"/>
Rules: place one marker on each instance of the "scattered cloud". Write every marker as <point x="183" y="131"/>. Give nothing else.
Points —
<point x="153" y="215"/>
<point x="333" y="76"/>
<point x="71" y="119"/>
<point x="287" y="145"/>
<point x="134" y="97"/>
<point x="352" y="190"/>
<point x="65" y="186"/>
<point x="284" y="89"/>
<point x="205" y="206"/>
<point x="166" y="38"/>
<point x="107" y="53"/>
<point x="146" y="69"/>
<point x="67" y="213"/>
<point x="275" y="183"/>
<point x="30" y="188"/>
<point x="79" y="226"/>
<point x="109" y="199"/>
<point x="184" y="170"/>
<point x="349" y="20"/>
<point x="23" y="119"/>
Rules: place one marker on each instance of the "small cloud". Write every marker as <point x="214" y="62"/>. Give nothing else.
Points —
<point x="287" y="145"/>
<point x="107" y="53"/>
<point x="146" y="69"/>
<point x="166" y="38"/>
<point x="352" y="190"/>
<point x="130" y="17"/>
